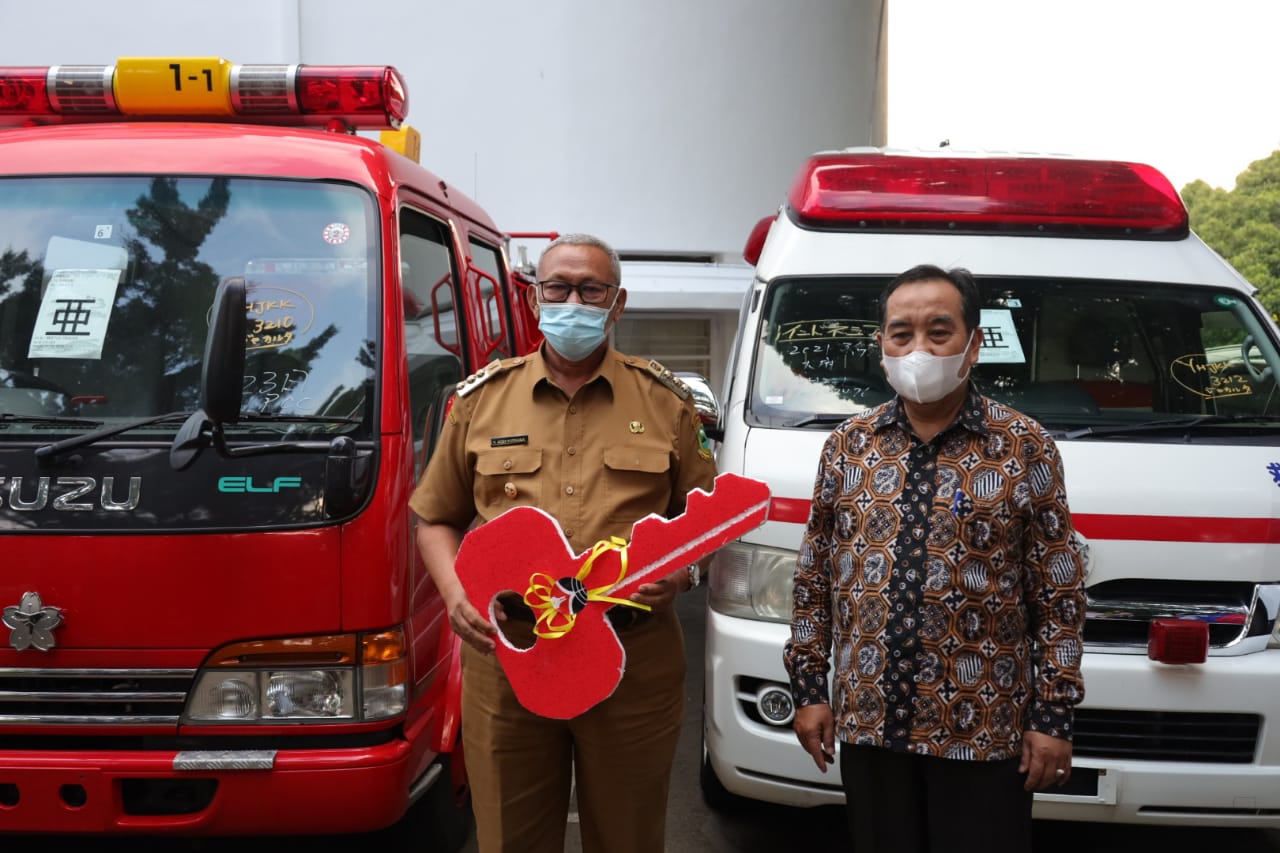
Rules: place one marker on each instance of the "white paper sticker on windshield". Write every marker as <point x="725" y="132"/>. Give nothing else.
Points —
<point x="1000" y="344"/>
<point x="72" y="321"/>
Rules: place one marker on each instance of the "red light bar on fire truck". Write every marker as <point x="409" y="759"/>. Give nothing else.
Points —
<point x="204" y="88"/>
<point x="1031" y="195"/>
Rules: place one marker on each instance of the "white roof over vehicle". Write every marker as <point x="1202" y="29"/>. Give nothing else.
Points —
<point x="683" y="286"/>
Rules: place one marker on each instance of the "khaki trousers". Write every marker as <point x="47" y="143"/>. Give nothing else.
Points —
<point x="621" y="751"/>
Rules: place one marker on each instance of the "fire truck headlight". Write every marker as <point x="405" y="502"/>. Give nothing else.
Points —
<point x="293" y="694"/>
<point x="752" y="582"/>
<point x="319" y="679"/>
<point x="383" y="693"/>
<point x="384" y="674"/>
<point x="225" y="697"/>
<point x="269" y="695"/>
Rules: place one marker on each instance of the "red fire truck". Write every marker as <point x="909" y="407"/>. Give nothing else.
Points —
<point x="228" y="325"/>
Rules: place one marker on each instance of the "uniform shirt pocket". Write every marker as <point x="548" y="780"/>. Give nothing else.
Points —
<point x="507" y="477"/>
<point x="637" y="481"/>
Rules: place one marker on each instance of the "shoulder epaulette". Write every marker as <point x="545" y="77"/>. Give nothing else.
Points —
<point x="486" y="373"/>
<point x="666" y="377"/>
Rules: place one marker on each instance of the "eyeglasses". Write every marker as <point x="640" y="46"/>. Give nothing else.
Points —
<point x="590" y="292"/>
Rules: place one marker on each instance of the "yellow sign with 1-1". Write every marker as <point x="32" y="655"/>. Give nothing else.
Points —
<point x="182" y="86"/>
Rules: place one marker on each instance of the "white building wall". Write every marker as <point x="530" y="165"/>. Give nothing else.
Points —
<point x="668" y="127"/>
<point x="662" y="125"/>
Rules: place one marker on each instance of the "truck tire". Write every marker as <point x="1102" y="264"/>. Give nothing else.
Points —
<point x="439" y="822"/>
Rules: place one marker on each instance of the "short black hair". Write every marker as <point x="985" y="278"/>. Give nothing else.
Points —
<point x="961" y="278"/>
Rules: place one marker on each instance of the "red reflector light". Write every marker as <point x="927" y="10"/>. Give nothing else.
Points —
<point x="1178" y="641"/>
<point x="755" y="240"/>
<point x="1026" y="194"/>
<point x="353" y="91"/>
<point x="24" y="90"/>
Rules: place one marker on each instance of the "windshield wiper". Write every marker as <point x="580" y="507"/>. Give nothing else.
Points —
<point x="1170" y="425"/>
<point x="827" y="420"/>
<point x="58" y="447"/>
<point x="51" y="420"/>
<point x="296" y="419"/>
<point x="199" y="432"/>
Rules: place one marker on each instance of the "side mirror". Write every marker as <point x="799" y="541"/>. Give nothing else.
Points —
<point x="222" y="377"/>
<point x="705" y="402"/>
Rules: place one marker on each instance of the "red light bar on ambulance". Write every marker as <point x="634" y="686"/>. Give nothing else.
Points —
<point x="204" y="88"/>
<point x="1031" y="195"/>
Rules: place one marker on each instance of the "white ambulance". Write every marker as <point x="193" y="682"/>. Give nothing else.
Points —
<point x="1152" y="364"/>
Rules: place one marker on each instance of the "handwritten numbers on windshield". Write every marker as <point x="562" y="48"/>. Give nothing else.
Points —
<point x="1211" y="379"/>
<point x="277" y="392"/>
<point x="825" y="357"/>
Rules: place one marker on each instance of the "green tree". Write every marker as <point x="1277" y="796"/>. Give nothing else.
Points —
<point x="1243" y="224"/>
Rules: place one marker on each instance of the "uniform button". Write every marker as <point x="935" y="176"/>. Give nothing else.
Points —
<point x="573" y="410"/>
<point x="568" y="490"/>
<point x="506" y="466"/>
<point x="568" y="531"/>
<point x="510" y="489"/>
<point x="571" y="450"/>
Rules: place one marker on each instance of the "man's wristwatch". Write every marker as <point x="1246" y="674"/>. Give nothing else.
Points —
<point x="695" y="574"/>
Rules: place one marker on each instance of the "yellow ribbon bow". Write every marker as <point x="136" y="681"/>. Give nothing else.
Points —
<point x="550" y="601"/>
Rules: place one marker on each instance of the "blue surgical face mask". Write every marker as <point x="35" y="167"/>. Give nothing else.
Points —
<point x="572" y="329"/>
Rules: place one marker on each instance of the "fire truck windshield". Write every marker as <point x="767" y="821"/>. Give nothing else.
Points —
<point x="106" y="288"/>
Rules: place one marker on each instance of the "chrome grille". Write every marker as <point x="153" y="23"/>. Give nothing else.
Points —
<point x="93" y="696"/>
<point x="1166" y="735"/>
<point x="1240" y="614"/>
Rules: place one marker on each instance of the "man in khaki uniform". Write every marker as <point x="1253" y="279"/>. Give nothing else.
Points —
<point x="598" y="440"/>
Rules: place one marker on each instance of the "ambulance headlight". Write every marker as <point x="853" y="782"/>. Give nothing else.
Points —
<point x="1268" y="604"/>
<point x="752" y="582"/>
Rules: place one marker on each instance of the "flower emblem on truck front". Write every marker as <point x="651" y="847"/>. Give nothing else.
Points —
<point x="32" y="623"/>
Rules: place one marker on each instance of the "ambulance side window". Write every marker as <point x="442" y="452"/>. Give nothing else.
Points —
<point x="493" y="300"/>
<point x="433" y="346"/>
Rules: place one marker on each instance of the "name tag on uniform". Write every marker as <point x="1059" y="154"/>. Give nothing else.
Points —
<point x="508" y="440"/>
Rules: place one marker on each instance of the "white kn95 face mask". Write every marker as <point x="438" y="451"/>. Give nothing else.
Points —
<point x="923" y="377"/>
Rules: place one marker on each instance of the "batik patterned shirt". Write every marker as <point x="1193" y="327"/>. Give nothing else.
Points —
<point x="947" y="579"/>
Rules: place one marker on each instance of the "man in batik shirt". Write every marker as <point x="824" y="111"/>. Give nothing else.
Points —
<point x="941" y="569"/>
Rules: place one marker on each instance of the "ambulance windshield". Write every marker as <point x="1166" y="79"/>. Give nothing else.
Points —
<point x="1070" y="353"/>
<point x="106" y="287"/>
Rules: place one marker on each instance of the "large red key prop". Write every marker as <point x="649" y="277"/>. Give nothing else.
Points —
<point x="576" y="659"/>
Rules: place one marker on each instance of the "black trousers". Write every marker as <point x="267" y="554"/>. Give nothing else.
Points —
<point x="904" y="803"/>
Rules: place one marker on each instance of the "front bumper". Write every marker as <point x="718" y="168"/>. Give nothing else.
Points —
<point x="317" y="791"/>
<point x="764" y="762"/>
